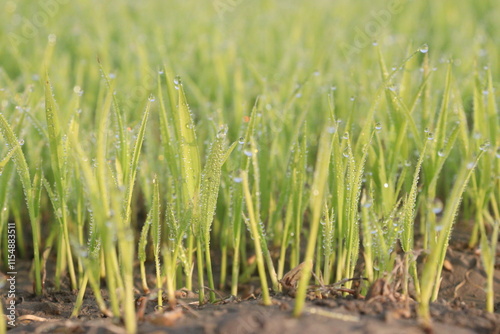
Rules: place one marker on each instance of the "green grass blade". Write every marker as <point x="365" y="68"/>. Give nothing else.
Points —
<point x="134" y="162"/>
<point x="430" y="279"/>
<point x="58" y="164"/>
<point x="24" y="174"/>
<point x="190" y="155"/>
<point x="317" y="196"/>
<point x="122" y="138"/>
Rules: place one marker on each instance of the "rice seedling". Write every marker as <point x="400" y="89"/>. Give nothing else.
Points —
<point x="31" y="190"/>
<point x="344" y="152"/>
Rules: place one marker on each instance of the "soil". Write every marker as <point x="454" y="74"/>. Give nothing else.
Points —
<point x="459" y="309"/>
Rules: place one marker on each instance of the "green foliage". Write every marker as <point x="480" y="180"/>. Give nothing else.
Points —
<point x="309" y="133"/>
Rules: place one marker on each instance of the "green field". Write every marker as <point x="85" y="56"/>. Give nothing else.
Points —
<point x="348" y="135"/>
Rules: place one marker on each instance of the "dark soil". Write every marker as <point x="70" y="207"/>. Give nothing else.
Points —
<point x="460" y="309"/>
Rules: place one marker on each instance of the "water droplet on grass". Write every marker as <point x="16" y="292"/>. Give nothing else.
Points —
<point x="248" y="153"/>
<point x="378" y="126"/>
<point x="222" y="131"/>
<point x="484" y="147"/>
<point x="52" y="38"/>
<point x="441" y="153"/>
<point x="424" y="48"/>
<point x="151" y="98"/>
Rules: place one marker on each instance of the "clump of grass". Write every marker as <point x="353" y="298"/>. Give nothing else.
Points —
<point x="351" y="151"/>
<point x="31" y="190"/>
<point x="431" y="273"/>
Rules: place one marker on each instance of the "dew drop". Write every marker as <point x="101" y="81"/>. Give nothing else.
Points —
<point x="441" y="153"/>
<point x="241" y="141"/>
<point x="151" y="98"/>
<point x="424" y="48"/>
<point x="222" y="131"/>
<point x="237" y="179"/>
<point x="21" y="142"/>
<point x="484" y="147"/>
<point x="386" y="185"/>
<point x="437" y="210"/>
<point x="52" y="38"/>
<point x="346" y="135"/>
<point x="378" y="126"/>
<point x="430" y="136"/>
<point x="248" y="153"/>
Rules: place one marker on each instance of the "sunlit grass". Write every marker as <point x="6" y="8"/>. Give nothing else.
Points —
<point x="264" y="136"/>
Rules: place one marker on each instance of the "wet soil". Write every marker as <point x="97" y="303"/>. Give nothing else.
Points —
<point x="459" y="309"/>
